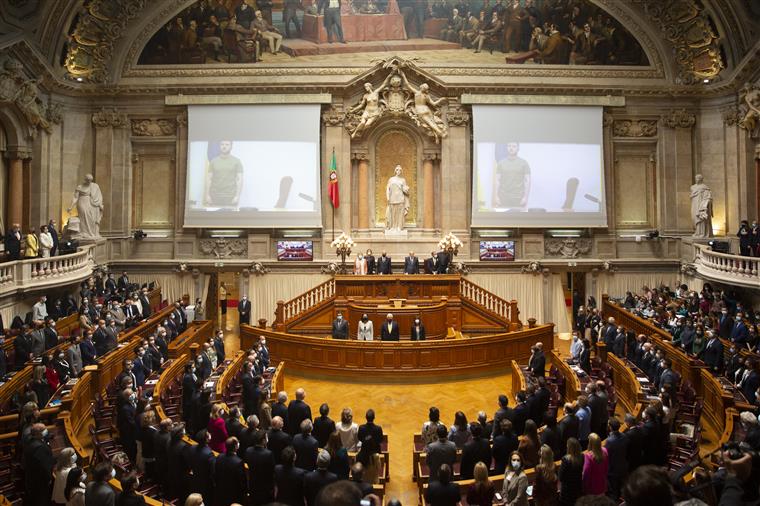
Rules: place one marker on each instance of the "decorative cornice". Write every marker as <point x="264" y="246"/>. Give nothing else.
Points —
<point x="607" y="119"/>
<point x="732" y="115"/>
<point x="156" y="127"/>
<point x="333" y="117"/>
<point x="635" y="128"/>
<point x="679" y="118"/>
<point x="457" y="116"/>
<point x="110" y="117"/>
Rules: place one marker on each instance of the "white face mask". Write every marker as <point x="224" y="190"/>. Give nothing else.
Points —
<point x="516" y="464"/>
<point x="113" y="473"/>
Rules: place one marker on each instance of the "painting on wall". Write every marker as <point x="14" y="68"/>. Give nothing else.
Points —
<point x="558" y="32"/>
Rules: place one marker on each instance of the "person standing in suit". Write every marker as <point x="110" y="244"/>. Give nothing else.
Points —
<point x="244" y="310"/>
<point x="476" y="450"/>
<point x="306" y="447"/>
<point x="38" y="466"/>
<point x="384" y="264"/>
<point x="411" y="264"/>
<point x="712" y="355"/>
<point x="443" y="262"/>
<point x="223" y="298"/>
<point x="418" y="330"/>
<point x="389" y="330"/>
<point x="298" y="411"/>
<point x="126" y="422"/>
<point x="440" y="452"/>
<point x="250" y="390"/>
<point x="289" y="479"/>
<point x="13" y="243"/>
<point x="739" y="332"/>
<point x="229" y="475"/>
<point x="339" y="327"/>
<point x="515" y="485"/>
<point x="54" y="234"/>
<point x="333" y="26"/>
<point x="318" y="479"/>
<point x="617" y="448"/>
<point x="98" y="491"/>
<point x="145" y="304"/>
<point x="323" y="425"/>
<point x="537" y="362"/>
<point x="202" y="465"/>
<point x="366" y="330"/>
<point x="585" y="359"/>
<point x="260" y="470"/>
<point x="278" y="439"/>
<point x="431" y="264"/>
<point x="370" y="259"/>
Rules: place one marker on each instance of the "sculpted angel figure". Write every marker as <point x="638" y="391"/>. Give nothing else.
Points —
<point x="752" y="99"/>
<point x="424" y="109"/>
<point x="373" y="109"/>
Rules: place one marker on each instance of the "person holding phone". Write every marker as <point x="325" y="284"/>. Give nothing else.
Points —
<point x="515" y="489"/>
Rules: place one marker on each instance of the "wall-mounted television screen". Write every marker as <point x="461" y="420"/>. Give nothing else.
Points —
<point x="498" y="251"/>
<point x="297" y="251"/>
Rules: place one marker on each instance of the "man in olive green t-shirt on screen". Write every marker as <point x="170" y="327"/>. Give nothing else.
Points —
<point x="513" y="179"/>
<point x="224" y="179"/>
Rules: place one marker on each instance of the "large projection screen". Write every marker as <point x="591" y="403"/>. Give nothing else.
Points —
<point x="253" y="166"/>
<point x="538" y="166"/>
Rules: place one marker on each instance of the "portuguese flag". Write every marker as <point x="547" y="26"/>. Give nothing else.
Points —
<point x="332" y="186"/>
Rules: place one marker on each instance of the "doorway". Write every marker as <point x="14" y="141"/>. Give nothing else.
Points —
<point x="228" y="283"/>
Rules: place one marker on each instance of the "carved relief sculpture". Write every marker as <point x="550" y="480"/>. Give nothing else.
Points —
<point x="16" y="88"/>
<point x="88" y="200"/>
<point x="635" y="128"/>
<point x="701" y="208"/>
<point x="567" y="248"/>
<point x="224" y="248"/>
<point x="751" y="118"/>
<point x="153" y="127"/>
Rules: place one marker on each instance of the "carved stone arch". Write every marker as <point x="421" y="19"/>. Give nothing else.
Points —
<point x="388" y="144"/>
<point x="18" y="132"/>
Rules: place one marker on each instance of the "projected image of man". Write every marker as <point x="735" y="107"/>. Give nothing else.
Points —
<point x="224" y="178"/>
<point x="512" y="178"/>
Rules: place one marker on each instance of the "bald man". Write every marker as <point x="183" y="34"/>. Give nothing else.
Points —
<point x="389" y="329"/>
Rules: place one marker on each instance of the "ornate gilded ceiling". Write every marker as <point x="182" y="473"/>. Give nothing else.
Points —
<point x="685" y="42"/>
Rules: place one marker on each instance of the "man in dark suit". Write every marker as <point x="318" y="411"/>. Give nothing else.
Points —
<point x="54" y="234"/>
<point x="178" y="465"/>
<point x="51" y="336"/>
<point x="634" y="435"/>
<point x="202" y="464"/>
<point x="568" y="426"/>
<point x="521" y="414"/>
<point x="537" y="361"/>
<point x="123" y="282"/>
<point x="609" y="332"/>
<point x="87" y="348"/>
<point x="145" y="303"/>
<point x="251" y="392"/>
<point x="384" y="264"/>
<point x="229" y="473"/>
<point x="244" y="309"/>
<point x="260" y="470"/>
<point x="233" y="425"/>
<point x="418" y="330"/>
<point x="668" y="378"/>
<point x="138" y="367"/>
<point x="280" y="408"/>
<point x="203" y="363"/>
<point x="712" y="355"/>
<point x="371" y="433"/>
<point x="101" y="340"/>
<point x="389" y="329"/>
<point x="131" y="314"/>
<point x="161" y="440"/>
<point x="476" y="450"/>
<point x="739" y="332"/>
<point x="585" y="359"/>
<point x="431" y="264"/>
<point x="371" y="264"/>
<point x="323" y="425"/>
<point x="298" y="411"/>
<point x="111" y="284"/>
<point x="316" y="480"/>
<point x="333" y="26"/>
<point x="504" y="443"/>
<point x="443" y="262"/>
<point x="38" y="466"/>
<point x="289" y="479"/>
<point x="543" y="398"/>
<point x="725" y="324"/>
<point x="598" y="407"/>
<point x="126" y="422"/>
<point x="411" y="264"/>
<point x="339" y="327"/>
<point x="22" y="347"/>
<point x="357" y="478"/>
<point x="189" y="381"/>
<point x="503" y="413"/>
<point x="617" y="447"/>
<point x="277" y="439"/>
<point x="653" y="450"/>
<point x="13" y="243"/>
<point x="440" y="452"/>
<point x="306" y="447"/>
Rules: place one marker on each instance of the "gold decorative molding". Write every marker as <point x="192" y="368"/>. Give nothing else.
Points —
<point x="679" y="118"/>
<point x="688" y="26"/>
<point x="110" y="117"/>
<point x="477" y="99"/>
<point x="634" y="128"/>
<point x="282" y="98"/>
<point x="154" y="127"/>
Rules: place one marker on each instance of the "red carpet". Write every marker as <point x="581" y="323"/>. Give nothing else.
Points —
<point x="301" y="47"/>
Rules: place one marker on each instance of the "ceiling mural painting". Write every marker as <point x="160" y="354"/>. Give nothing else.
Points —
<point x="563" y="32"/>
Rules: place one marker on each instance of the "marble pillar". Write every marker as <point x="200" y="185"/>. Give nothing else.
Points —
<point x="113" y="169"/>
<point x="428" y="193"/>
<point x="455" y="173"/>
<point x="677" y="176"/>
<point x="336" y="137"/>
<point x="16" y="158"/>
<point x="363" y="192"/>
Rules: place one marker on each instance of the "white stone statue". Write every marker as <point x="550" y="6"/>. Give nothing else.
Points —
<point x="426" y="111"/>
<point x="397" y="193"/>
<point x="701" y="208"/>
<point x="89" y="202"/>
<point x="370" y="106"/>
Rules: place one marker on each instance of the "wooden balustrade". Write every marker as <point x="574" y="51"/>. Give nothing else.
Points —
<point x="288" y="311"/>
<point x="168" y="375"/>
<point x="278" y="381"/>
<point x="630" y="393"/>
<point x="519" y="382"/>
<point x="507" y="310"/>
<point x="230" y="373"/>
<point x="572" y="382"/>
<point x="197" y="332"/>
<point x="76" y="413"/>
<point x="399" y="359"/>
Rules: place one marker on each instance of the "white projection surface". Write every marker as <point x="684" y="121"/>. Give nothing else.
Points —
<point x="538" y="166"/>
<point x="253" y="166"/>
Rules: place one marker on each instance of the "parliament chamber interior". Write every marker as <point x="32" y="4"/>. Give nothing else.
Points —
<point x="379" y="252"/>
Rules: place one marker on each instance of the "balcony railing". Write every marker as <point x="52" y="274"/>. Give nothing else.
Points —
<point x="733" y="269"/>
<point x="24" y="275"/>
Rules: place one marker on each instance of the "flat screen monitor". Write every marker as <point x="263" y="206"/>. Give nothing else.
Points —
<point x="497" y="251"/>
<point x="295" y="251"/>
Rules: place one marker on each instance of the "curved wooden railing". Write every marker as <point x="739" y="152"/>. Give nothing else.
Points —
<point x="727" y="268"/>
<point x="506" y="310"/>
<point x="292" y="309"/>
<point x="630" y="393"/>
<point x="197" y="333"/>
<point x="572" y="382"/>
<point x="42" y="272"/>
<point x="76" y="414"/>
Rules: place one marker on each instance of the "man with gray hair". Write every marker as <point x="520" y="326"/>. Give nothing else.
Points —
<point x="278" y="438"/>
<point x="389" y="329"/>
<point x="298" y="411"/>
<point x="280" y="408"/>
<point x="318" y="479"/>
<point x="306" y="447"/>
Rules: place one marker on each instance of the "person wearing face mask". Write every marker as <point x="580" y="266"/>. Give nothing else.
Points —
<point x="366" y="329"/>
<point x="139" y="371"/>
<point x="38" y="466"/>
<point x="51" y="335"/>
<point x="514" y="490"/>
<point x="699" y="343"/>
<point x="219" y="346"/>
<point x="129" y="495"/>
<point x="189" y="382"/>
<point x="244" y="310"/>
<point x="61" y="366"/>
<point x="263" y="351"/>
<point x="575" y="348"/>
<point x="389" y="329"/>
<point x="66" y="461"/>
<point x="370" y="259"/>
<point x="75" y="487"/>
<point x="418" y="330"/>
<point x="384" y="264"/>
<point x="339" y="327"/>
<point x="126" y="422"/>
<point x="739" y="331"/>
<point x="178" y="468"/>
<point x="39" y="310"/>
<point x="98" y="491"/>
<point x="161" y="340"/>
<point x="360" y="265"/>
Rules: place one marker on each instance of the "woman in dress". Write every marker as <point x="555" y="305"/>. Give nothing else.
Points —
<point x="482" y="491"/>
<point x="595" y="466"/>
<point x="349" y="430"/>
<point x="460" y="433"/>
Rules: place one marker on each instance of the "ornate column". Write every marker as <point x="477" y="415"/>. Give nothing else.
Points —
<point x="362" y="167"/>
<point x="17" y="160"/>
<point x="112" y="169"/>
<point x="455" y="171"/>
<point x="428" y="190"/>
<point x="677" y="152"/>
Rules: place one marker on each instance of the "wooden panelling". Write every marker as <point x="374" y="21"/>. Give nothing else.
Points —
<point x="197" y="332"/>
<point x="154" y="196"/>
<point x="627" y="385"/>
<point x="434" y="357"/>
